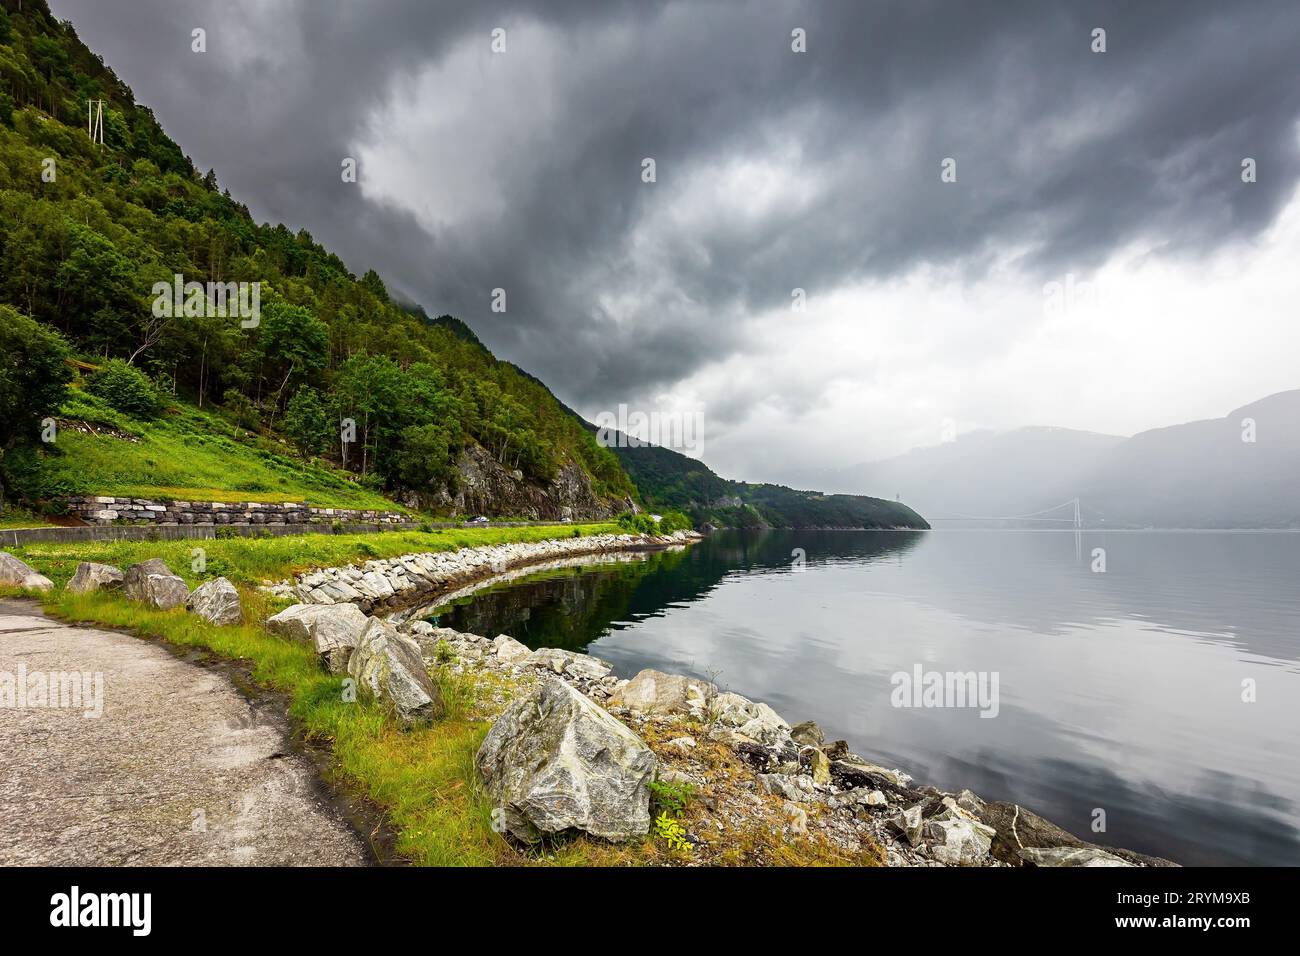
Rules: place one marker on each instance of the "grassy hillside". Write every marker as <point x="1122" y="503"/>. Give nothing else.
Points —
<point x="87" y="230"/>
<point x="186" y="454"/>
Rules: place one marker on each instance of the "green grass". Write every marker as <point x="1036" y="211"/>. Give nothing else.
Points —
<point x="251" y="561"/>
<point x="19" y="518"/>
<point x="190" y="455"/>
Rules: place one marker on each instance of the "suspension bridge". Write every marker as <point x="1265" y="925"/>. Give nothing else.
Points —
<point x="1074" y="518"/>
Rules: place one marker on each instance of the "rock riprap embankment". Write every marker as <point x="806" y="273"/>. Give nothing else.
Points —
<point x="332" y="630"/>
<point x="389" y="665"/>
<point x="553" y="765"/>
<point x="393" y="582"/>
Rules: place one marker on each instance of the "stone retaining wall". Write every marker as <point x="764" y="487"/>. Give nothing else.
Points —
<point x="109" y="510"/>
<point x="403" y="581"/>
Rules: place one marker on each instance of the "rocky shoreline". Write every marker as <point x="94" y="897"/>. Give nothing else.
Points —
<point x="748" y="766"/>
<point x="750" y="770"/>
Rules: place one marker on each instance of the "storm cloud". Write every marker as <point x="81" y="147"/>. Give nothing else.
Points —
<point x="775" y="170"/>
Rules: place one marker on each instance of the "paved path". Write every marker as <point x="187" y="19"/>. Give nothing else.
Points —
<point x="180" y="768"/>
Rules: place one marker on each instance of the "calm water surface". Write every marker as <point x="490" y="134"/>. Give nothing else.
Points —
<point x="1119" y="690"/>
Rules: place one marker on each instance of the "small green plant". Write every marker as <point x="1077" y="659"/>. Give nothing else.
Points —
<point x="672" y="833"/>
<point x="365" y="549"/>
<point x="671" y="798"/>
<point x="444" y="653"/>
<point x="426" y="528"/>
<point x="126" y="388"/>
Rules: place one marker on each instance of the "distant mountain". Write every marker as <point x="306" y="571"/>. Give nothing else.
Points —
<point x="985" y="473"/>
<point x="1195" y="475"/>
<point x="1203" y="474"/>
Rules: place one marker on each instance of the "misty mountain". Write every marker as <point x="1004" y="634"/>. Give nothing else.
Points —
<point x="1202" y="474"/>
<point x="985" y="473"/>
<point x="1239" y="471"/>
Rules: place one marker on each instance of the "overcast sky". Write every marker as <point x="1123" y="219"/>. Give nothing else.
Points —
<point x="1098" y="262"/>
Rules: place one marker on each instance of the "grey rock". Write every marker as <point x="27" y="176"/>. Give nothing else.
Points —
<point x="1020" y="829"/>
<point x="560" y="661"/>
<point x="1070" y="856"/>
<point x="808" y="734"/>
<point x="508" y="650"/>
<point x="750" y="720"/>
<point x="908" y="821"/>
<point x="797" y="789"/>
<point x="152" y="582"/>
<point x="959" y="839"/>
<point x="839" y="750"/>
<point x="332" y="630"/>
<point x="216" y="601"/>
<point x="16" y="573"/>
<point x="815" y="763"/>
<point x="554" y="762"/>
<point x="91" y="576"/>
<point x="389" y="666"/>
<point x="654" y="692"/>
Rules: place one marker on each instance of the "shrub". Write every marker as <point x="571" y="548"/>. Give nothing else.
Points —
<point x="126" y="389"/>
<point x="673" y="834"/>
<point x="675" y="521"/>
<point x="671" y="798"/>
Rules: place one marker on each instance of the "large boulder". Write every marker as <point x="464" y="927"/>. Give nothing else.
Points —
<point x="15" y="573"/>
<point x="388" y="664"/>
<point x="509" y="651"/>
<point x="152" y="582"/>
<point x="91" y="576"/>
<point x="217" y="602"/>
<point x="554" y="762"/>
<point x="333" y="630"/>
<point x="654" y="692"/>
<point x="748" y="719"/>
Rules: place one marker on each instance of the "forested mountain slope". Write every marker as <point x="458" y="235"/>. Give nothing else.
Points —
<point x="88" y="230"/>
<point x="668" y="479"/>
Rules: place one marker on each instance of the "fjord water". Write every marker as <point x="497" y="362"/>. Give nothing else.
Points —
<point x="1119" y="691"/>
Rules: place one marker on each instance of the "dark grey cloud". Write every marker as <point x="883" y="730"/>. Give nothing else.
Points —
<point x="616" y="287"/>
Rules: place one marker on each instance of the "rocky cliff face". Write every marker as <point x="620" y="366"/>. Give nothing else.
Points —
<point x="484" y="487"/>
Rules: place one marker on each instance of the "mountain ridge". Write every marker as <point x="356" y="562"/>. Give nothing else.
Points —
<point x="1196" y="474"/>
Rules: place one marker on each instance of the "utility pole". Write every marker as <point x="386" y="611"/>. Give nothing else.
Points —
<point x="1078" y="515"/>
<point x="95" y="121"/>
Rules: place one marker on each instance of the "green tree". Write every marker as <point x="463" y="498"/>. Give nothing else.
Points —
<point x="307" y="423"/>
<point x="422" y="458"/>
<point x="33" y="378"/>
